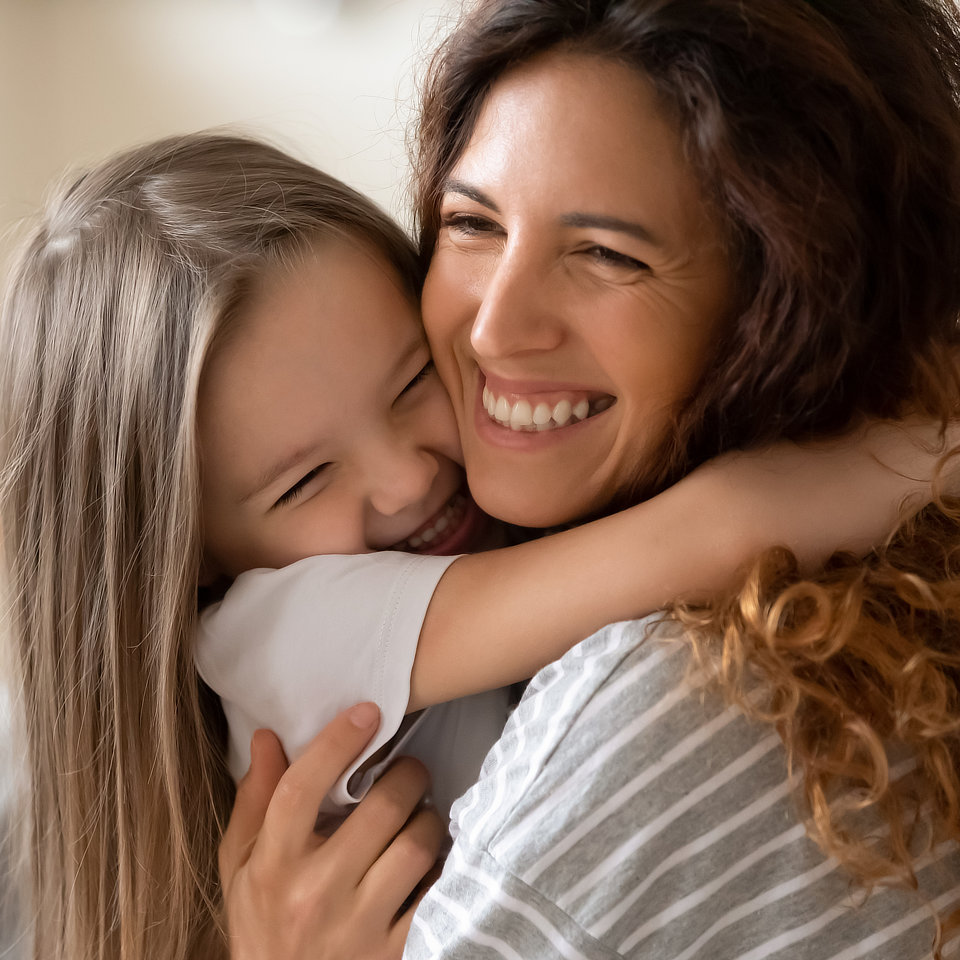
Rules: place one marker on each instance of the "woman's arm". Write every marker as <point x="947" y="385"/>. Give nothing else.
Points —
<point x="498" y="617"/>
<point x="289" y="892"/>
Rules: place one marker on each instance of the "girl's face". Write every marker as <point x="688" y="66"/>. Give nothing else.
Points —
<point x="323" y="426"/>
<point x="577" y="284"/>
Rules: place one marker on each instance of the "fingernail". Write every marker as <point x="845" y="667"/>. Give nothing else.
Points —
<point x="363" y="715"/>
<point x="254" y="747"/>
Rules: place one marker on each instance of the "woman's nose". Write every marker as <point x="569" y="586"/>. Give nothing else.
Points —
<point x="403" y="476"/>
<point x="518" y="310"/>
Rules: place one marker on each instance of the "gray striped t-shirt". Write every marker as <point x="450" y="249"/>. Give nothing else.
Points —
<point x="627" y="812"/>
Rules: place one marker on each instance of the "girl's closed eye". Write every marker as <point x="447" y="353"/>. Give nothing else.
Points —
<point x="425" y="371"/>
<point x="297" y="490"/>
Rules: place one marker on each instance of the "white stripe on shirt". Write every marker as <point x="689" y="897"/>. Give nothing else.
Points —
<point x="640" y="837"/>
<point x="901" y="926"/>
<point x="757" y="903"/>
<point x="528" y="912"/>
<point x="680" y="752"/>
<point x="561" y="797"/>
<point x="702" y="843"/>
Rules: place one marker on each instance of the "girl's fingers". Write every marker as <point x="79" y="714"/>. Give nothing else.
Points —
<point x="292" y="813"/>
<point x="267" y="765"/>
<point x="373" y="824"/>
<point x="404" y="864"/>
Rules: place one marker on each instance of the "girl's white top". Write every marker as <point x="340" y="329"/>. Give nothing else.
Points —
<point x="288" y="649"/>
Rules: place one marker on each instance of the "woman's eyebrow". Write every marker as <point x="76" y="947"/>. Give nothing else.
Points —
<point x="603" y="222"/>
<point x="576" y="219"/>
<point x="471" y="193"/>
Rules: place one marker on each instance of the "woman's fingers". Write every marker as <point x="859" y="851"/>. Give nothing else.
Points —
<point x="292" y="813"/>
<point x="298" y="897"/>
<point x="406" y="862"/>
<point x="372" y="826"/>
<point x="267" y="766"/>
<point x="397" y="936"/>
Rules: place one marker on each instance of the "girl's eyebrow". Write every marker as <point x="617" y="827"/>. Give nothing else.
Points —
<point x="414" y="346"/>
<point x="574" y="219"/>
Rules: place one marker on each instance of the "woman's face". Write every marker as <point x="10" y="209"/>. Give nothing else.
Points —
<point x="577" y="285"/>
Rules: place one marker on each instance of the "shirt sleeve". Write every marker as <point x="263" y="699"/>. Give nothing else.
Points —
<point x="288" y="649"/>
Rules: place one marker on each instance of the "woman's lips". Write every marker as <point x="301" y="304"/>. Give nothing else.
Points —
<point x="505" y="408"/>
<point x="458" y="527"/>
<point x="540" y="414"/>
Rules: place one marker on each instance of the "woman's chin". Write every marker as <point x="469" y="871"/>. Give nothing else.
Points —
<point x="535" y="505"/>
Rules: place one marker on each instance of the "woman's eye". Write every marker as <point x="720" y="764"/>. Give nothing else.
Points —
<point x="422" y="375"/>
<point x="467" y="225"/>
<point x="611" y="258"/>
<point x="296" y="491"/>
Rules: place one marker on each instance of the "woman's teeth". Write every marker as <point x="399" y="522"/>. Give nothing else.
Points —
<point x="524" y="416"/>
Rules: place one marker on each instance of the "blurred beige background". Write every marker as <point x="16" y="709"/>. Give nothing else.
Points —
<point x="331" y="80"/>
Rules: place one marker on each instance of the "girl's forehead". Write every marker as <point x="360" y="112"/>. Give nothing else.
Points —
<point x="317" y="344"/>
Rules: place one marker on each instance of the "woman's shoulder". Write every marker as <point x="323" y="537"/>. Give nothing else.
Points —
<point x="618" y="646"/>
<point x="627" y="796"/>
<point x="629" y="687"/>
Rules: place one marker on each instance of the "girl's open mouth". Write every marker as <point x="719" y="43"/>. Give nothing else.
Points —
<point x="455" y="528"/>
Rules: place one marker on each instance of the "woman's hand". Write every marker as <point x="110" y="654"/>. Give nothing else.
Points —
<point x="291" y="894"/>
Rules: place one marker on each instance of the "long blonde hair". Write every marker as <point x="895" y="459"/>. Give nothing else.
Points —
<point x="106" y="323"/>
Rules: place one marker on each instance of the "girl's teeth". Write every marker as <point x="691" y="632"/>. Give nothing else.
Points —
<point x="450" y="518"/>
<point x="523" y="416"/>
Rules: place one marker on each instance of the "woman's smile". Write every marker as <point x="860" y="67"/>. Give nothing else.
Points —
<point x="571" y="319"/>
<point x="539" y="408"/>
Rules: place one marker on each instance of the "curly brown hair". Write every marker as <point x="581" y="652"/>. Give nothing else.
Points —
<point x="827" y="137"/>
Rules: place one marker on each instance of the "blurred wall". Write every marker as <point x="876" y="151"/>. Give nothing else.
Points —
<point x="330" y="80"/>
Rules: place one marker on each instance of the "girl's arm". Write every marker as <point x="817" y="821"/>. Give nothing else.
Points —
<point x="498" y="617"/>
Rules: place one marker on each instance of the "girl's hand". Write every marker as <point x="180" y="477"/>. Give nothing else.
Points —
<point x="291" y="894"/>
<point x="845" y="493"/>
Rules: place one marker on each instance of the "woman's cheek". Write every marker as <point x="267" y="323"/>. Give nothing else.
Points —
<point x="447" y="322"/>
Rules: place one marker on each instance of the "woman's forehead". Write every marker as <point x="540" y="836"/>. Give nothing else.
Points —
<point x="585" y="139"/>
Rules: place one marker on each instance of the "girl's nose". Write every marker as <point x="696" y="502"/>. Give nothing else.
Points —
<point x="403" y="478"/>
<point x="518" y="312"/>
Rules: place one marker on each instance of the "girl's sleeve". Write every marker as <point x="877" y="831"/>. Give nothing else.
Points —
<point x="288" y="649"/>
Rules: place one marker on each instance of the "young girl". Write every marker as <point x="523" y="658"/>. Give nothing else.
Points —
<point x="211" y="362"/>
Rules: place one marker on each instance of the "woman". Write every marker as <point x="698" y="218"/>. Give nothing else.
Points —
<point x="720" y="223"/>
